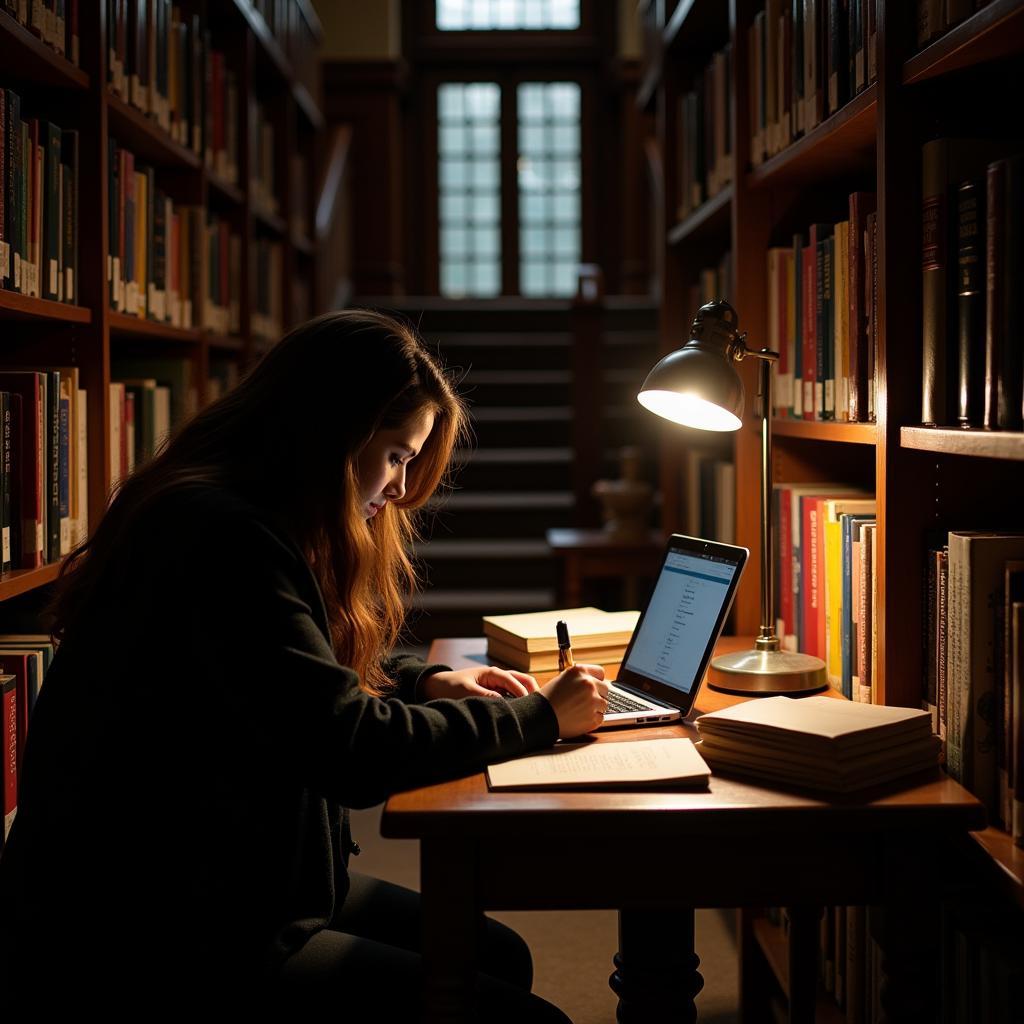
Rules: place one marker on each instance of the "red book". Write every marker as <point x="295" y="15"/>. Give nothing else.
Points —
<point x="15" y="663"/>
<point x="784" y="570"/>
<point x="31" y="475"/>
<point x="809" y="360"/>
<point x="9" y="739"/>
<point x="812" y="570"/>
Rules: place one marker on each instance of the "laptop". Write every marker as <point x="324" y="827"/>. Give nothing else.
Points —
<point x="675" y="635"/>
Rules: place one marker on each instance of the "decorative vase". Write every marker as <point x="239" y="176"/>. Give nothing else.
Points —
<point x="626" y="503"/>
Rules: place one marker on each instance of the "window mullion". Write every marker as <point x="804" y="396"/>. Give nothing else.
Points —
<point x="509" y="188"/>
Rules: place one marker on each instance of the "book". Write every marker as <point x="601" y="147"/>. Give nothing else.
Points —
<point x="634" y="764"/>
<point x="819" y="742"/>
<point x="535" y="631"/>
<point x="975" y="589"/>
<point x="1004" y="310"/>
<point x="9" y="747"/>
<point x="547" y="661"/>
<point x="970" y="302"/>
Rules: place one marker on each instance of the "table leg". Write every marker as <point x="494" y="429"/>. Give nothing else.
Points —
<point x="451" y="916"/>
<point x="656" y="976"/>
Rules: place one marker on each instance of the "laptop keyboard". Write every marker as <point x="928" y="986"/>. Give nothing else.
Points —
<point x="618" y="702"/>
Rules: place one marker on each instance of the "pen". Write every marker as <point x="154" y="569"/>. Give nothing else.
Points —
<point x="565" y="659"/>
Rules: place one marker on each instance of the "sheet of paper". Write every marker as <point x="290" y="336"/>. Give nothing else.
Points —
<point x="638" y="762"/>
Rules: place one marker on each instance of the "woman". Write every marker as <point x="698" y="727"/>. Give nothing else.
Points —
<point x="222" y="690"/>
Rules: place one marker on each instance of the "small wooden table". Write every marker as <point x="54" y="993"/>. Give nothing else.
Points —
<point x="655" y="856"/>
<point x="594" y="554"/>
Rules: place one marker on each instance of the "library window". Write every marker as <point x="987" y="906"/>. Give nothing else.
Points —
<point x="469" y="174"/>
<point x="547" y="188"/>
<point x="505" y="15"/>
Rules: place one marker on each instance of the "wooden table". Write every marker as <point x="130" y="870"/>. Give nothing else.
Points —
<point x="595" y="554"/>
<point x="655" y="856"/>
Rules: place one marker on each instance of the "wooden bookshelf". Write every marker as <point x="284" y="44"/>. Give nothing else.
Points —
<point x="711" y="217"/>
<point x="923" y="477"/>
<point x="90" y="334"/>
<point x="15" y="306"/>
<point x="814" y="430"/>
<point x="988" y="444"/>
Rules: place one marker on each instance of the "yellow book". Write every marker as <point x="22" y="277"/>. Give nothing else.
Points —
<point x="547" y="661"/>
<point x="535" y="631"/>
<point x="834" y="580"/>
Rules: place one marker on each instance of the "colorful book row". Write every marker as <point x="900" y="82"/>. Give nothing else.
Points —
<point x="825" y="554"/>
<point x="44" y="469"/>
<point x="149" y="398"/>
<point x="163" y="63"/>
<point x="808" y="58"/>
<point x="24" y="661"/>
<point x="822" y="318"/>
<point x="54" y="21"/>
<point x="705" y="135"/>
<point x="38" y="204"/>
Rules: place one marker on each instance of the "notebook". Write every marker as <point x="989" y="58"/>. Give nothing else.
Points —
<point x="676" y="633"/>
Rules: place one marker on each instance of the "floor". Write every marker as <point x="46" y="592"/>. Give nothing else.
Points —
<point x="572" y="951"/>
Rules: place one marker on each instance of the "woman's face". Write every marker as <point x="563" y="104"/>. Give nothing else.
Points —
<point x="380" y="466"/>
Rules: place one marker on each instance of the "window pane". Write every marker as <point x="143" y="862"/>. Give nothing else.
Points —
<point x="534" y="207"/>
<point x="549" y="172"/>
<point x="532" y="279"/>
<point x="452" y="140"/>
<point x="532" y="139"/>
<point x="469" y="172"/>
<point x="488" y="279"/>
<point x="479" y="15"/>
<point x="485" y="209"/>
<point x="487" y="243"/>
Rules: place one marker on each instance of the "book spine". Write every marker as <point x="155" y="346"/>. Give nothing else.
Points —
<point x="1004" y="363"/>
<point x="9" y="739"/>
<point x="864" y="618"/>
<point x="64" y="480"/>
<point x="53" y="466"/>
<point x="1017" y="762"/>
<point x="929" y="698"/>
<point x="970" y="304"/>
<point x="69" y="241"/>
<point x="810" y="356"/>
<point x="958" y="620"/>
<point x="942" y="645"/>
<point x="6" y="481"/>
<point x="935" y="352"/>
<point x="52" y="207"/>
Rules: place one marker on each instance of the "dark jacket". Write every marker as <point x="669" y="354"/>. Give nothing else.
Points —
<point x="191" y="750"/>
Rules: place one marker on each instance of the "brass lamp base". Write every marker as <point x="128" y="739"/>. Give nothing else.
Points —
<point x="767" y="673"/>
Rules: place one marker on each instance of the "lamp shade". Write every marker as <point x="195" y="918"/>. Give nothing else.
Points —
<point x="697" y="385"/>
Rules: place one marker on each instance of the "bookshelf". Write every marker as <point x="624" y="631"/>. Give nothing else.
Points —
<point x="925" y="478"/>
<point x="269" y="47"/>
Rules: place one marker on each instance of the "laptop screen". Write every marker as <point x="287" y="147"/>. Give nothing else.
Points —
<point x="681" y="617"/>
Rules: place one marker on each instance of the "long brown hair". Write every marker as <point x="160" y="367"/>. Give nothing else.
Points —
<point x="287" y="439"/>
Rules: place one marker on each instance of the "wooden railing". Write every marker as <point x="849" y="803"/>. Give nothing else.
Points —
<point x="334" y="222"/>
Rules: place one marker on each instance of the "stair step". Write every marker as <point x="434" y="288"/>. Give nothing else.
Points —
<point x="484" y="602"/>
<point x="511" y="499"/>
<point x="505" y="456"/>
<point x="505" y="548"/>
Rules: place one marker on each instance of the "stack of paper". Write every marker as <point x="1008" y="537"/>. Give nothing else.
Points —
<point x="818" y="742"/>
<point x="527" y="642"/>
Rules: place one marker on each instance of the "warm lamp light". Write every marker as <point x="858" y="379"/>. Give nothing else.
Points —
<point x="698" y="386"/>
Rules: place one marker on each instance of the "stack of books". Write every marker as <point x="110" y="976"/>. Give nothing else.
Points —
<point x="818" y="742"/>
<point x="527" y="642"/>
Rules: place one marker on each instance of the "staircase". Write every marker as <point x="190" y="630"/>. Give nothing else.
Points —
<point x="485" y="551"/>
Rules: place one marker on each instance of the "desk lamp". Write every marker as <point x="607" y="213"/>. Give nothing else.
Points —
<point x="698" y="386"/>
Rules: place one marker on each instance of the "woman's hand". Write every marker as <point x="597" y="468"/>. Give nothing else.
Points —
<point x="478" y="682"/>
<point x="578" y="697"/>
